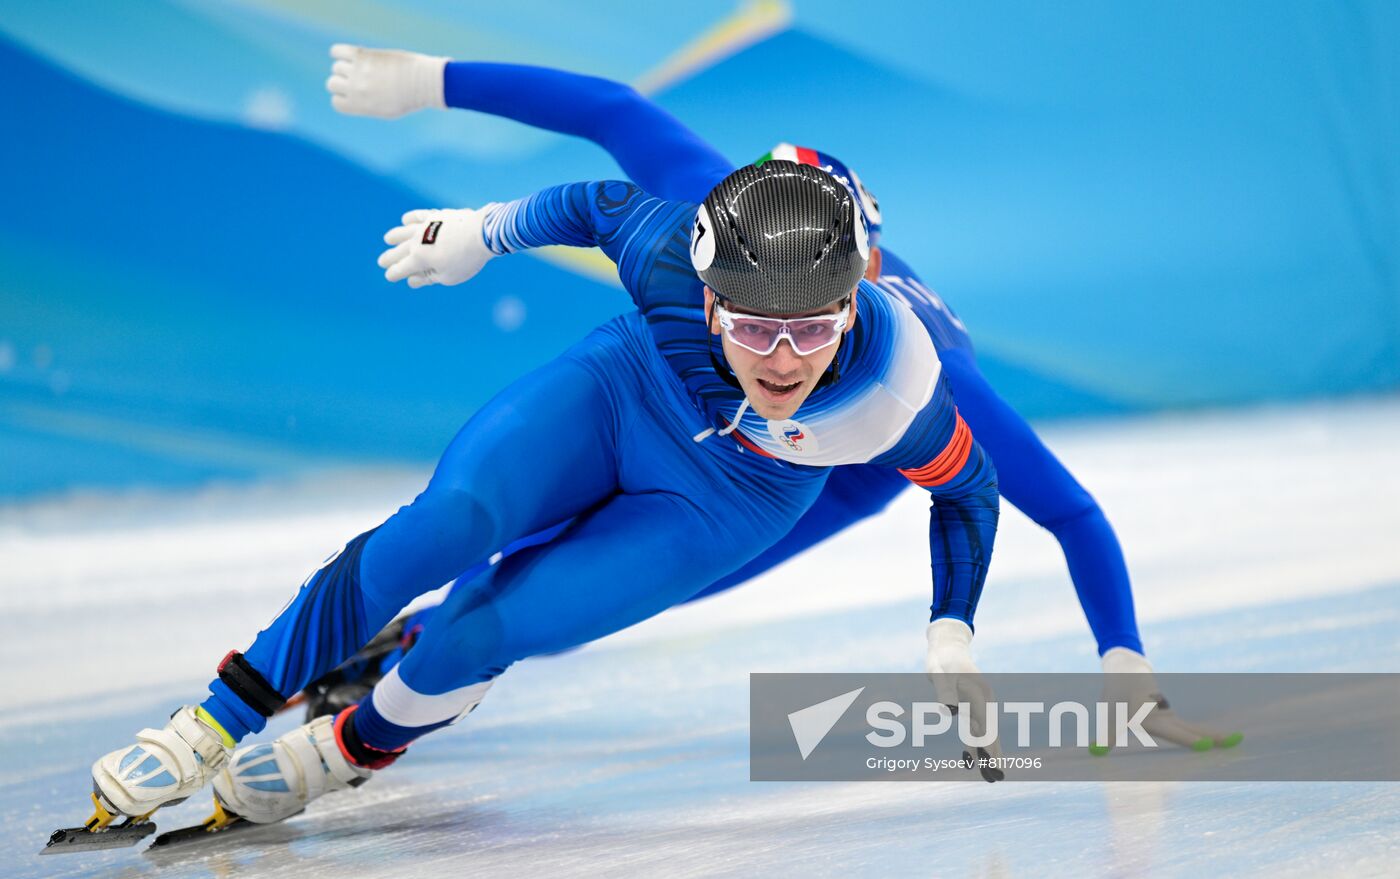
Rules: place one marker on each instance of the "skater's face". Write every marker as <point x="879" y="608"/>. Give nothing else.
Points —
<point x="778" y="382"/>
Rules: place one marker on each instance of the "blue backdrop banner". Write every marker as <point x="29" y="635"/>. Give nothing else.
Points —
<point x="1133" y="207"/>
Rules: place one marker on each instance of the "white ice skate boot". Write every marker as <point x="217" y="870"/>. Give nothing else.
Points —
<point x="269" y="782"/>
<point x="164" y="767"/>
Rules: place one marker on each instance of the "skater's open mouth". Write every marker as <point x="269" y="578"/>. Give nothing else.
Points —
<point x="777" y="389"/>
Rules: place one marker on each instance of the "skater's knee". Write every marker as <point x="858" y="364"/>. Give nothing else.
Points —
<point x="425" y="544"/>
<point x="467" y="642"/>
<point x="450" y="509"/>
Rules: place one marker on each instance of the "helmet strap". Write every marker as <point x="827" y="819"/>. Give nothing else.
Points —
<point x="722" y="368"/>
<point x="833" y="372"/>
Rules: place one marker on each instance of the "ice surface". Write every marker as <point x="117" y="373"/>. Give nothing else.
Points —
<point x="1264" y="541"/>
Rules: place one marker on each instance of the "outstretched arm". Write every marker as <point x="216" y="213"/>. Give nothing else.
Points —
<point x="451" y="246"/>
<point x="655" y="150"/>
<point x="939" y="453"/>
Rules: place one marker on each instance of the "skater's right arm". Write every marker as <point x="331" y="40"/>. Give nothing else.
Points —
<point x="631" y="227"/>
<point x="653" y="148"/>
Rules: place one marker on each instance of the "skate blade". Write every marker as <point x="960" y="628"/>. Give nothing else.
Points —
<point x="221" y="821"/>
<point x="197" y="833"/>
<point x="80" y="839"/>
<point x="98" y="833"/>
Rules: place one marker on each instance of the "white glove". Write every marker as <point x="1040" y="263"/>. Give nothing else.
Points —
<point x="956" y="679"/>
<point x="387" y="83"/>
<point x="1128" y="679"/>
<point x="436" y="247"/>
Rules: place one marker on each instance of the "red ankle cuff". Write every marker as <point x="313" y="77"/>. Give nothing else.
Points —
<point x="356" y="751"/>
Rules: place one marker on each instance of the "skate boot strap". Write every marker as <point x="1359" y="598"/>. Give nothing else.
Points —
<point x="323" y="765"/>
<point x="186" y="744"/>
<point x="207" y="742"/>
<point x="250" y="686"/>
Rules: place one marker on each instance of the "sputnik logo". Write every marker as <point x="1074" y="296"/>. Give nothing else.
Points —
<point x="811" y="724"/>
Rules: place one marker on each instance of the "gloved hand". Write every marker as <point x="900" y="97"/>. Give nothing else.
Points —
<point x="956" y="679"/>
<point x="436" y="247"/>
<point x="1128" y="679"/>
<point x="387" y="83"/>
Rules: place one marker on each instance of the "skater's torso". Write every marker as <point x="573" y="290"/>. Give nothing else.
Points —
<point x="890" y="405"/>
<point x="889" y="367"/>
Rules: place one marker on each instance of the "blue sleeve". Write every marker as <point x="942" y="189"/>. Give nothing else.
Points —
<point x="653" y="148"/>
<point x="938" y="452"/>
<point x="637" y="231"/>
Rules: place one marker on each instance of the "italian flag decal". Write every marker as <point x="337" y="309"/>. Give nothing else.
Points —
<point x="789" y="153"/>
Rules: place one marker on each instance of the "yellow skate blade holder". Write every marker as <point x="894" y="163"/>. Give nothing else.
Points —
<point x="100" y="816"/>
<point x="220" y="819"/>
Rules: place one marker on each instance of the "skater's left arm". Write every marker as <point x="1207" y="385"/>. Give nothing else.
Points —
<point x="939" y="453"/>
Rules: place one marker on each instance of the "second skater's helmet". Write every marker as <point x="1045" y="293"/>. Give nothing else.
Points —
<point x="869" y="206"/>
<point x="780" y="238"/>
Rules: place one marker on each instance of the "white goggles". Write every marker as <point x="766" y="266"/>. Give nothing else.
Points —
<point x="761" y="335"/>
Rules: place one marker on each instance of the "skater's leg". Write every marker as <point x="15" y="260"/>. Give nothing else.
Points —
<point x="505" y="475"/>
<point x="629" y="559"/>
<point x="348" y="682"/>
<point x="687" y="516"/>
<point x="852" y="493"/>
<point x="632" y="558"/>
<point x="1035" y="481"/>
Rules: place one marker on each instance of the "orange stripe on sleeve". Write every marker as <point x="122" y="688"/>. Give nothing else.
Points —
<point x="949" y="461"/>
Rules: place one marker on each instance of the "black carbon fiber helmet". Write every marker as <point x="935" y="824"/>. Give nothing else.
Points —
<point x="780" y="238"/>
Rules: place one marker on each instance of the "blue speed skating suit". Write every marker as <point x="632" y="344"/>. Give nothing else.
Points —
<point x="616" y="441"/>
<point x="667" y="159"/>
